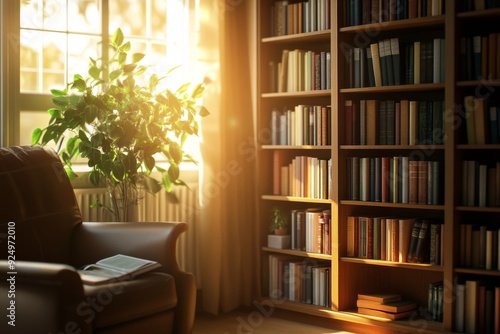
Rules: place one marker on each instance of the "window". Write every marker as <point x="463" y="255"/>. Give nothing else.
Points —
<point x="57" y="37"/>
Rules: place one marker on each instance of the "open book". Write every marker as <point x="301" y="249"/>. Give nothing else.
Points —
<point x="116" y="268"/>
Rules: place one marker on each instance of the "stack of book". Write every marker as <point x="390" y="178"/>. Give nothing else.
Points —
<point x="388" y="306"/>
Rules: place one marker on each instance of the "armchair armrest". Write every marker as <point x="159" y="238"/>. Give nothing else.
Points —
<point x="42" y="298"/>
<point x="156" y="241"/>
<point x="149" y="240"/>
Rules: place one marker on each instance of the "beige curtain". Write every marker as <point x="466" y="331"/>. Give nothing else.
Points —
<point x="227" y="246"/>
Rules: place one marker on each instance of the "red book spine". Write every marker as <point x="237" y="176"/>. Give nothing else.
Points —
<point x="395" y="239"/>
<point x="422" y="182"/>
<point x="413" y="182"/>
<point x="383" y="242"/>
<point x="369" y="251"/>
<point x="385" y="179"/>
<point x="356" y="236"/>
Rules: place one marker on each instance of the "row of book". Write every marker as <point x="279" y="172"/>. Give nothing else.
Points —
<point x="479" y="57"/>
<point x="391" y="62"/>
<point x="395" y="239"/>
<point x="477" y="307"/>
<point x="375" y="11"/>
<point x="303" y="280"/>
<point x="301" y="125"/>
<point x="311" y="230"/>
<point x="480" y="184"/>
<point x="295" y="17"/>
<point x="482" y="120"/>
<point x="479" y="246"/>
<point x="396" y="179"/>
<point x="301" y="70"/>
<point x="392" y="122"/>
<point x="385" y="305"/>
<point x="435" y="300"/>
<point x="301" y="176"/>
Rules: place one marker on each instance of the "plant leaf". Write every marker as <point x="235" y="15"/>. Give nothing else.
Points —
<point x="36" y="135"/>
<point x="57" y="92"/>
<point x="137" y="57"/>
<point x="117" y="38"/>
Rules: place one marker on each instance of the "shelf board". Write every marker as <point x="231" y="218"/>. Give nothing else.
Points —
<point x="396" y="89"/>
<point x="309" y="93"/>
<point x="298" y="253"/>
<point x="353" y="317"/>
<point x="478" y="14"/>
<point x="478" y="147"/>
<point x="296" y="147"/>
<point x="478" y="271"/>
<point x="479" y="83"/>
<point x="295" y="199"/>
<point x="478" y="209"/>
<point x="392" y="147"/>
<point x="417" y="266"/>
<point x="393" y="205"/>
<point x="315" y="36"/>
<point x="421" y="22"/>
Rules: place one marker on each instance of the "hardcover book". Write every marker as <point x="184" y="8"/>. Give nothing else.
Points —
<point x="116" y="268"/>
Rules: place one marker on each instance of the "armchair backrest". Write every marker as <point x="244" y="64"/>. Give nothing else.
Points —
<point x="38" y="208"/>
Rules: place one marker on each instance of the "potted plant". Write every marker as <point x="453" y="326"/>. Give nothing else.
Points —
<point x="279" y="222"/>
<point x="120" y="126"/>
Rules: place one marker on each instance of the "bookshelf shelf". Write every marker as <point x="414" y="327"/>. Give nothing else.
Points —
<point x="407" y="24"/>
<point x="393" y="205"/>
<point x="478" y="147"/>
<point x="298" y="253"/>
<point x="314" y="36"/>
<point x="494" y="273"/>
<point x="427" y="148"/>
<point x="477" y="209"/>
<point x="293" y="147"/>
<point x="302" y="94"/>
<point x="416" y="266"/>
<point x="479" y="83"/>
<point x="479" y="14"/>
<point x="395" y="89"/>
<point x="295" y="199"/>
<point x="445" y="94"/>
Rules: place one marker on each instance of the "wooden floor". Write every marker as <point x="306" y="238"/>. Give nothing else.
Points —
<point x="253" y="322"/>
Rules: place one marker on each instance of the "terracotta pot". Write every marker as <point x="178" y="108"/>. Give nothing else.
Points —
<point x="282" y="231"/>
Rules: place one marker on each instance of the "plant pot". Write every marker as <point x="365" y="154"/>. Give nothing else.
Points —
<point x="281" y="231"/>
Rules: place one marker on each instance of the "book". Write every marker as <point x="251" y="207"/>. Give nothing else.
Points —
<point x="380" y="297"/>
<point x="471" y="305"/>
<point x="393" y="307"/>
<point x="377" y="66"/>
<point x="116" y="268"/>
<point x="385" y="315"/>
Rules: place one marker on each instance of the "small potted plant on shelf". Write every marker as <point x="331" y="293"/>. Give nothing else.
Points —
<point x="121" y="121"/>
<point x="279" y="222"/>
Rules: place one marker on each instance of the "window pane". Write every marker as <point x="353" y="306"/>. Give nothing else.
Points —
<point x="129" y="15"/>
<point x="159" y="20"/>
<point x="44" y="14"/>
<point x="30" y="120"/>
<point x="85" y="16"/>
<point x="80" y="49"/>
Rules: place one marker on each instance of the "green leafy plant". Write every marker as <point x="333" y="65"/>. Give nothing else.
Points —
<point x="120" y="125"/>
<point x="279" y="220"/>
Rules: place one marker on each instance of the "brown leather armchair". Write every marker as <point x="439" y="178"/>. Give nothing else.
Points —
<point x="43" y="240"/>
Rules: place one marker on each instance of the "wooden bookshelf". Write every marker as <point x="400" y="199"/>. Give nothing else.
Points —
<point x="348" y="275"/>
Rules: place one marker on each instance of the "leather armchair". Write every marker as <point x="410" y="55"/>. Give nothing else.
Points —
<point x="43" y="240"/>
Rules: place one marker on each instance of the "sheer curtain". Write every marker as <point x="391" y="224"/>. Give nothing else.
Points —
<point x="227" y="246"/>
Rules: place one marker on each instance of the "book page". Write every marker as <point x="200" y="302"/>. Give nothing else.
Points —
<point x="96" y="274"/>
<point x="124" y="263"/>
